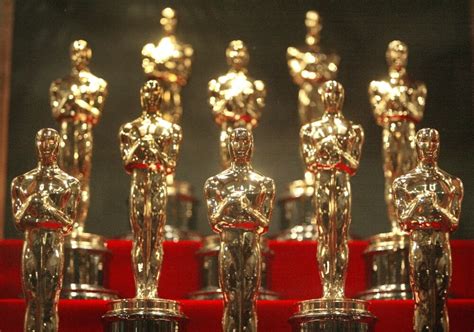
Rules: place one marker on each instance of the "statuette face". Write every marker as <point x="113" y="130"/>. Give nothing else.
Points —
<point x="331" y="148"/>
<point x="169" y="62"/>
<point x="44" y="203"/>
<point x="428" y="202"/>
<point x="309" y="68"/>
<point x="398" y="103"/>
<point x="77" y="103"/>
<point x="240" y="203"/>
<point x="149" y="147"/>
<point x="237" y="100"/>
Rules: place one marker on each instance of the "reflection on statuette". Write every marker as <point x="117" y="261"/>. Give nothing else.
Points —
<point x="428" y="206"/>
<point x="77" y="102"/>
<point x="239" y="203"/>
<point x="149" y="147"/>
<point x="237" y="100"/>
<point x="398" y="104"/>
<point x="44" y="203"/>
<point x="309" y="68"/>
<point x="169" y="62"/>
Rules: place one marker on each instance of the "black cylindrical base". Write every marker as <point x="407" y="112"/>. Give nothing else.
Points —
<point x="143" y="315"/>
<point x="333" y="315"/>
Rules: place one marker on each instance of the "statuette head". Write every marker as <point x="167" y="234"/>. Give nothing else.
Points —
<point x="47" y="145"/>
<point x="168" y="20"/>
<point x="397" y="54"/>
<point x="332" y="95"/>
<point x="241" y="145"/>
<point x="313" y="28"/>
<point x="150" y="96"/>
<point x="427" y="145"/>
<point x="237" y="54"/>
<point x="81" y="54"/>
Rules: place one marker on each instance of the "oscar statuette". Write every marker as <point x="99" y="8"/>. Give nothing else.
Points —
<point x="331" y="148"/>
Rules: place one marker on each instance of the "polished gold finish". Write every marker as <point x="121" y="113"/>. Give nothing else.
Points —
<point x="169" y="62"/>
<point x="309" y="68"/>
<point x="44" y="203"/>
<point x="331" y="148"/>
<point x="77" y="102"/>
<point x="398" y="104"/>
<point x="240" y="203"/>
<point x="334" y="315"/>
<point x="209" y="259"/>
<point x="428" y="202"/>
<point x="144" y="315"/>
<point x="237" y="100"/>
<point x="149" y="147"/>
<point x="387" y="263"/>
<point x="86" y="268"/>
<point x="297" y="211"/>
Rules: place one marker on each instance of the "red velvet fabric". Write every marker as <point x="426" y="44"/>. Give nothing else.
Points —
<point x="179" y="274"/>
<point x="293" y="271"/>
<point x="205" y="316"/>
<point x="293" y="274"/>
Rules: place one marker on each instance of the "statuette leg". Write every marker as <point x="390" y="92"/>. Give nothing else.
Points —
<point x="239" y="272"/>
<point x="147" y="218"/>
<point x="430" y="261"/>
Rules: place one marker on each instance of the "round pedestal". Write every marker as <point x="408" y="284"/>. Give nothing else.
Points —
<point x="86" y="266"/>
<point x="209" y="258"/>
<point x="141" y="315"/>
<point x="297" y="212"/>
<point x="181" y="212"/>
<point x="338" y="315"/>
<point x="388" y="268"/>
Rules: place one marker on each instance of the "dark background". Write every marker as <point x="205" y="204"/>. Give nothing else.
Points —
<point x="437" y="33"/>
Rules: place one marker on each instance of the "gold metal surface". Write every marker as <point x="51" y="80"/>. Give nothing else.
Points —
<point x="237" y="100"/>
<point x="145" y="315"/>
<point x="297" y="211"/>
<point x="331" y="149"/>
<point x="149" y="147"/>
<point x="169" y="62"/>
<point x="77" y="102"/>
<point x="398" y="104"/>
<point x="44" y="203"/>
<point x="240" y="203"/>
<point x="428" y="202"/>
<point x="208" y="256"/>
<point x="310" y="67"/>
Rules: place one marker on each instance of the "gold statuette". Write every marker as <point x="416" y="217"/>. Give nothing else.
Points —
<point x="309" y="68"/>
<point x="240" y="203"/>
<point x="398" y="104"/>
<point x="331" y="149"/>
<point x="237" y="100"/>
<point x="77" y="102"/>
<point x="149" y="147"/>
<point x="44" y="203"/>
<point x="169" y="62"/>
<point x="428" y="202"/>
